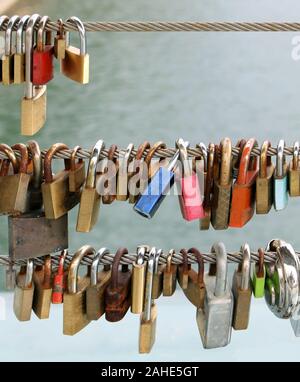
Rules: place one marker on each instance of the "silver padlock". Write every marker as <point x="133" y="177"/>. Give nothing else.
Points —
<point x="280" y="179"/>
<point x="215" y="319"/>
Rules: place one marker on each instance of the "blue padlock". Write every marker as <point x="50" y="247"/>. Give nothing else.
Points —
<point x="280" y="179"/>
<point x="157" y="189"/>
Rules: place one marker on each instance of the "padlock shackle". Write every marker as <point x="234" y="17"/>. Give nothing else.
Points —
<point x="280" y="159"/>
<point x="209" y="176"/>
<point x="47" y="268"/>
<point x="203" y="148"/>
<point x="73" y="158"/>
<point x="91" y="176"/>
<point x="245" y="161"/>
<point x="8" y="34"/>
<point x="61" y="264"/>
<point x="29" y="273"/>
<point x="82" y="34"/>
<point x="115" y="267"/>
<point x="139" y="155"/>
<point x="36" y="157"/>
<point x="23" y="167"/>
<point x="245" y="266"/>
<point x="264" y="160"/>
<point x="3" y="20"/>
<point x="124" y="158"/>
<point x="184" y="157"/>
<point x="172" y="252"/>
<point x="29" y="34"/>
<point x="226" y="162"/>
<point x="86" y="250"/>
<point x="159" y="252"/>
<point x="149" y="285"/>
<point x="185" y="262"/>
<point x="157" y="146"/>
<point x="141" y="252"/>
<point x="221" y="271"/>
<point x="11" y="156"/>
<point x="200" y="262"/>
<point x="48" y="160"/>
<point x="40" y="33"/>
<point x="261" y="263"/>
<point x="19" y="38"/>
<point x="95" y="264"/>
<point x="296" y="151"/>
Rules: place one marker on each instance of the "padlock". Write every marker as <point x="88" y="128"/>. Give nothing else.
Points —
<point x="241" y="143"/>
<point x="242" y="291"/>
<point x="138" y="280"/>
<point x="75" y="65"/>
<point x="8" y="57"/>
<point x="259" y="276"/>
<point x="118" y="292"/>
<point x="90" y="199"/>
<point x="109" y="185"/>
<point x="60" y="280"/>
<point x="10" y="277"/>
<point x="208" y="186"/>
<point x="190" y="200"/>
<point x="60" y="42"/>
<point x="42" y="278"/>
<point x="264" y="181"/>
<point x="280" y="179"/>
<point x="149" y="316"/>
<point x="123" y="175"/>
<point x="42" y="56"/>
<point x="153" y="164"/>
<point x="222" y="188"/>
<point x="58" y="199"/>
<point x="19" y="56"/>
<point x="3" y="20"/>
<point x="95" y="293"/>
<point x="34" y="192"/>
<point x="34" y="104"/>
<point x="157" y="287"/>
<point x="183" y="270"/>
<point x="77" y="172"/>
<point x="13" y="188"/>
<point x="195" y="291"/>
<point x="157" y="189"/>
<point x="134" y="184"/>
<point x="170" y="276"/>
<point x="23" y="296"/>
<point x="74" y="307"/>
<point x="243" y="192"/>
<point x="214" y="320"/>
<point x="294" y="172"/>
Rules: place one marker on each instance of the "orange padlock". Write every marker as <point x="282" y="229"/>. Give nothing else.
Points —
<point x="243" y="193"/>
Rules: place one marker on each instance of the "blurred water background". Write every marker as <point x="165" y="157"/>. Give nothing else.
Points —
<point x="158" y="86"/>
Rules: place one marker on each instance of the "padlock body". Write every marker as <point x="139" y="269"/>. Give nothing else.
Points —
<point x="59" y="285"/>
<point x="264" y="194"/>
<point x="88" y="210"/>
<point x="95" y="296"/>
<point x="190" y="199"/>
<point x="59" y="47"/>
<point x="242" y="205"/>
<point x="13" y="190"/>
<point x="23" y="299"/>
<point x="195" y="292"/>
<point x="220" y="208"/>
<point x="32" y="235"/>
<point x="42" y="296"/>
<point x="138" y="287"/>
<point x="155" y="192"/>
<point x="258" y="284"/>
<point x="295" y="322"/>
<point x="214" y="320"/>
<point x="7" y="69"/>
<point x="42" y="65"/>
<point x="294" y="182"/>
<point x="33" y="113"/>
<point x="169" y="281"/>
<point x="75" y="66"/>
<point x="19" y="68"/>
<point x="280" y="193"/>
<point x="77" y="177"/>
<point x="148" y="332"/>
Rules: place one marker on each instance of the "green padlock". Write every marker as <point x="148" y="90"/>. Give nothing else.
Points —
<point x="259" y="276"/>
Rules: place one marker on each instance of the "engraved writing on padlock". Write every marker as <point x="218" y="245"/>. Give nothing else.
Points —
<point x="280" y="179"/>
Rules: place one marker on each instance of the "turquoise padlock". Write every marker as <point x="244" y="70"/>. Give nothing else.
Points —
<point x="280" y="179"/>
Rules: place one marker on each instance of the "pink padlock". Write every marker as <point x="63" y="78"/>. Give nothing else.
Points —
<point x="190" y="199"/>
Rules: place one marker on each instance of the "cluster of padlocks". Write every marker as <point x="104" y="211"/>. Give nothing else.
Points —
<point x="29" y="57"/>
<point x="136" y="282"/>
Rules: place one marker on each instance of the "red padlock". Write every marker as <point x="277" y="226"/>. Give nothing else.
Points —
<point x="42" y="56"/>
<point x="243" y="193"/>
<point x="190" y="198"/>
<point x="60" y="280"/>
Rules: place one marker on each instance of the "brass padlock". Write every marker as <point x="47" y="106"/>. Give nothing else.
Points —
<point x="183" y="270"/>
<point x="60" y="43"/>
<point x="77" y="172"/>
<point x="136" y="173"/>
<point x="8" y="57"/>
<point x="149" y="316"/>
<point x="42" y="278"/>
<point x="242" y="291"/>
<point x="264" y="181"/>
<point x="222" y="188"/>
<point x="3" y="20"/>
<point x="170" y="276"/>
<point x="58" y="199"/>
<point x="154" y="164"/>
<point x="294" y="172"/>
<point x="34" y="104"/>
<point x="118" y="292"/>
<point x="19" y="56"/>
<point x="90" y="199"/>
<point x="109" y="176"/>
<point x="13" y="188"/>
<point x="139" y="268"/>
<point x="158" y="276"/>
<point x="95" y="293"/>
<point x="75" y="64"/>
<point x="34" y="192"/>
<point x="123" y="175"/>
<point x="74" y="309"/>
<point x="195" y="292"/>
<point x="23" y="297"/>
<point x="209" y="181"/>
